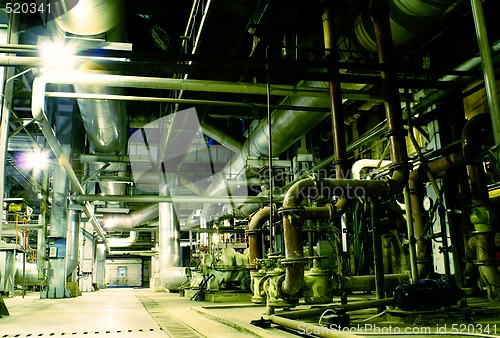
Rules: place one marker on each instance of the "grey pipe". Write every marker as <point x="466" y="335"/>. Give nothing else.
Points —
<point x="135" y="218"/>
<point x="171" y="275"/>
<point x="38" y="106"/>
<point x="220" y="133"/>
<point x="172" y="199"/>
<point x="488" y="69"/>
<point x="105" y="122"/>
<point x="123" y="242"/>
<point x="306" y="328"/>
<point x="72" y="240"/>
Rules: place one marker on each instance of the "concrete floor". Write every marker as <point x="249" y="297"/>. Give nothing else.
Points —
<point x="142" y="313"/>
<point x="122" y="313"/>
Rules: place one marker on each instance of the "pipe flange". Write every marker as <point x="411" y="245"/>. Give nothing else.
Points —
<point x="396" y="132"/>
<point x="254" y="232"/>
<point x="294" y="261"/>
<point x="490" y="262"/>
<point x="317" y="257"/>
<point x="291" y="210"/>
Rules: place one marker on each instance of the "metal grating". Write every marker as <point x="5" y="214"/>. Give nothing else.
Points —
<point x="173" y="327"/>
<point x="104" y="332"/>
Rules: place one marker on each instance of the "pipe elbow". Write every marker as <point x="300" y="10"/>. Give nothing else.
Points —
<point x="399" y="179"/>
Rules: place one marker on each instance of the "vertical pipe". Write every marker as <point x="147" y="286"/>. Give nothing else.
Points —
<point x="335" y="97"/>
<point x="411" y="236"/>
<point x="42" y="221"/>
<point x="488" y="70"/>
<point x="444" y="240"/>
<point x="377" y="251"/>
<point x="396" y="132"/>
<point x="7" y="89"/>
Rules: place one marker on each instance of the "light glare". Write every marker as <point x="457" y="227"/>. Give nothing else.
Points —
<point x="57" y="55"/>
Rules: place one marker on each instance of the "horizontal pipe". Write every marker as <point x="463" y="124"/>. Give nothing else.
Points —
<point x="297" y="314"/>
<point x="367" y="283"/>
<point x="346" y="95"/>
<point x="171" y="199"/>
<point x="316" y="330"/>
<point x="125" y="81"/>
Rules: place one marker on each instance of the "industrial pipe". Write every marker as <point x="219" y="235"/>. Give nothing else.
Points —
<point x="367" y="163"/>
<point x="337" y="112"/>
<point x="254" y="234"/>
<point x="396" y="131"/>
<point x="367" y="283"/>
<point x="292" y="222"/>
<point x="484" y="217"/>
<point x="72" y="240"/>
<point x="133" y="219"/>
<point x="476" y="134"/>
<point x="171" y="199"/>
<point x="317" y="311"/>
<point x="488" y="69"/>
<point x="306" y="328"/>
<point x="122" y="242"/>
<point x="38" y="112"/>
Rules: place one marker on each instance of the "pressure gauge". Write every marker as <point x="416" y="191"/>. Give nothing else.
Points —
<point x="427" y="203"/>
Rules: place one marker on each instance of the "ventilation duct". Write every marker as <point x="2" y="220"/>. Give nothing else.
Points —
<point x="135" y="218"/>
<point x="171" y="275"/>
<point x="72" y="240"/>
<point x="105" y="121"/>
<point x="123" y="242"/>
<point x="407" y="18"/>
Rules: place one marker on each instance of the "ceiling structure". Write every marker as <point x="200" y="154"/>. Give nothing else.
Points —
<point x="235" y="63"/>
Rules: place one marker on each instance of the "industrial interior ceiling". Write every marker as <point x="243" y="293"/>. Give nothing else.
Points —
<point x="175" y="119"/>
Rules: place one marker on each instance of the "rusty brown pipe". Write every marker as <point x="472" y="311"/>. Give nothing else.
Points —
<point x="254" y="233"/>
<point x="484" y="242"/>
<point x="416" y="181"/>
<point x="476" y="133"/>
<point x="293" y="216"/>
<point x="396" y="132"/>
<point x="337" y="112"/>
<point x="260" y="218"/>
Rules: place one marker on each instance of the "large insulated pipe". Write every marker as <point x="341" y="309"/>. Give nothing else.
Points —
<point x="72" y="239"/>
<point x="38" y="112"/>
<point x="172" y="275"/>
<point x="408" y="17"/>
<point x="220" y="133"/>
<point x="123" y="242"/>
<point x="105" y="121"/>
<point x="133" y="219"/>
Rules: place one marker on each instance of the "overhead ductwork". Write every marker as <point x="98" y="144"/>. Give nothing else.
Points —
<point x="407" y="18"/>
<point x="288" y="126"/>
<point x="105" y="121"/>
<point x="123" y="242"/>
<point x="135" y="218"/>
